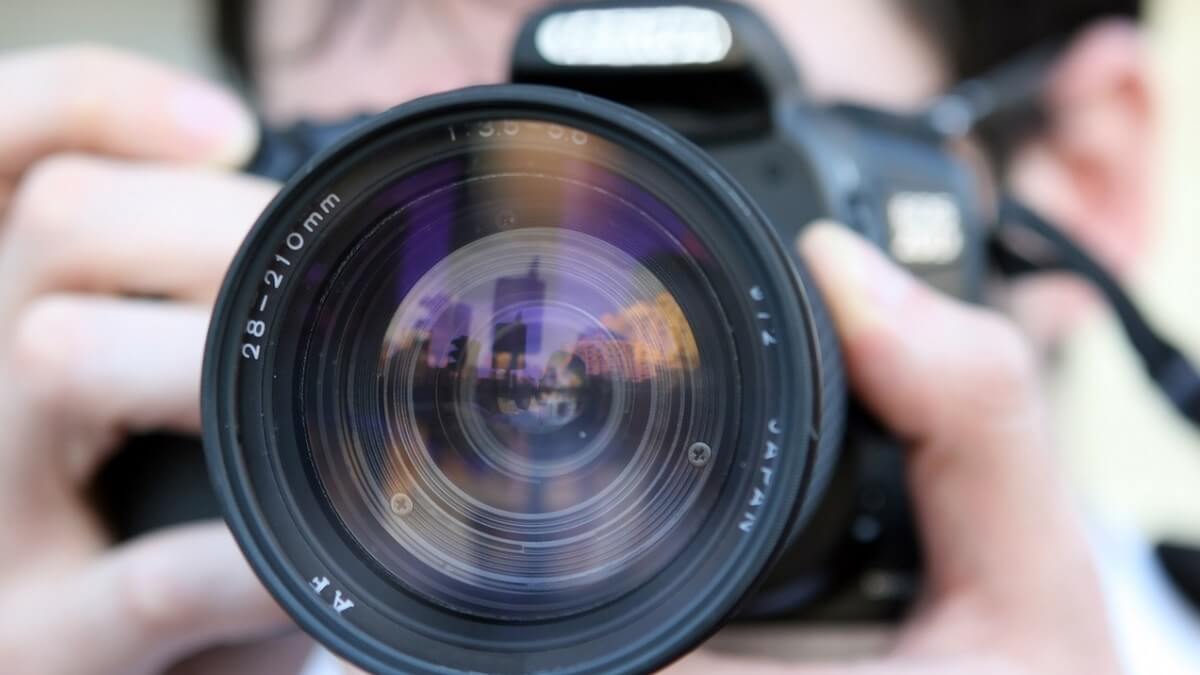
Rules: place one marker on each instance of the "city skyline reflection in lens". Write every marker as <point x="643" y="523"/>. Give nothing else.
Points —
<point x="512" y="386"/>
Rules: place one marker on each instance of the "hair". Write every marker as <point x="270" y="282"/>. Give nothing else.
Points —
<point x="232" y="28"/>
<point x="974" y="35"/>
<point x="978" y="35"/>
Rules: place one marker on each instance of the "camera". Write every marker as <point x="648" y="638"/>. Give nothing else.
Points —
<point x="529" y="377"/>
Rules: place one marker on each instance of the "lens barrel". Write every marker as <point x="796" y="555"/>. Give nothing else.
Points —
<point x="514" y="379"/>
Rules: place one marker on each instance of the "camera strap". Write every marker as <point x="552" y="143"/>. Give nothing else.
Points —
<point x="1024" y="242"/>
<point x="997" y="105"/>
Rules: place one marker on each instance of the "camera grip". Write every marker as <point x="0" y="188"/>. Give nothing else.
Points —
<point x="154" y="481"/>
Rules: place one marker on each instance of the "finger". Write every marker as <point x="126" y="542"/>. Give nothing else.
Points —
<point x="93" y="369"/>
<point x="101" y="100"/>
<point x="103" y="225"/>
<point x="959" y="385"/>
<point x="703" y="662"/>
<point x="706" y="662"/>
<point x="286" y="654"/>
<point x="168" y="594"/>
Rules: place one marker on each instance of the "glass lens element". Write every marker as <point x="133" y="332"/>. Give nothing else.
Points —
<point x="513" y="385"/>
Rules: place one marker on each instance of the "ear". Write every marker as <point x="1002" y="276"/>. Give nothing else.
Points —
<point x="1091" y="171"/>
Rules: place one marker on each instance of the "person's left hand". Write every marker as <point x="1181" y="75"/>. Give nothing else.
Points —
<point x="118" y="217"/>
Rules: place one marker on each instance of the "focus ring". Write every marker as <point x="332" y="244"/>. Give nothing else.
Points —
<point x="831" y="416"/>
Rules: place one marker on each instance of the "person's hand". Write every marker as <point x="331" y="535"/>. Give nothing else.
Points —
<point x="1011" y="587"/>
<point x="116" y="226"/>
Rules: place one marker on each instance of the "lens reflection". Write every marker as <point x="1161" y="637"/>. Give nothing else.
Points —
<point x="541" y="419"/>
<point x="513" y="438"/>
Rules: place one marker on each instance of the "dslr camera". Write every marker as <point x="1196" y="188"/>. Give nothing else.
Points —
<point x="530" y="378"/>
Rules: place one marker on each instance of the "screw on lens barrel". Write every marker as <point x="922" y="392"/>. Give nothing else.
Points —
<point x="506" y="219"/>
<point x="699" y="453"/>
<point x="401" y="504"/>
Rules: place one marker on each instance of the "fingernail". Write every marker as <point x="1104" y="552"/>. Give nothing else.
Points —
<point x="860" y="285"/>
<point x="217" y="120"/>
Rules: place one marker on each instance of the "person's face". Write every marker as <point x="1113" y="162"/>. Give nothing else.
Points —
<point x="328" y="59"/>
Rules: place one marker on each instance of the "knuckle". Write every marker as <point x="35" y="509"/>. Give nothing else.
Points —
<point x="153" y="599"/>
<point x="83" y="78"/>
<point x="49" y="341"/>
<point x="80" y="59"/>
<point x="45" y="202"/>
<point x="73" y="70"/>
<point x="1004" y="366"/>
<point x="87" y="75"/>
<point x="63" y="64"/>
<point x="77" y="68"/>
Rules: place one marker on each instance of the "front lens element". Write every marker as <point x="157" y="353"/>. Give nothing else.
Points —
<point x="504" y="376"/>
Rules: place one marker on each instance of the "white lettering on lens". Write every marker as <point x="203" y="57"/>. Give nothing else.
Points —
<point x="340" y="602"/>
<point x="756" y="294"/>
<point x="765" y="472"/>
<point x="274" y="279"/>
<point x="771" y="451"/>
<point x="747" y="523"/>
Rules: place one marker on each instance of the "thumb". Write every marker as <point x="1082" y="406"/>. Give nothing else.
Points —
<point x="958" y="385"/>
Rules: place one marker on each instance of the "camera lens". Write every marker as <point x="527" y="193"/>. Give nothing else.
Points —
<point x="506" y="423"/>
<point x="514" y="380"/>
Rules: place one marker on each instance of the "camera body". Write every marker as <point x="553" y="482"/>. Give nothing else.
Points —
<point x="888" y="177"/>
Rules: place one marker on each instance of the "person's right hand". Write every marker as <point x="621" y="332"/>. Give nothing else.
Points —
<point x="1010" y="584"/>
<point x="117" y="222"/>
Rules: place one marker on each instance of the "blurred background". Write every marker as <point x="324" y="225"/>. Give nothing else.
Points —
<point x="1135" y="463"/>
<point x="1132" y="457"/>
